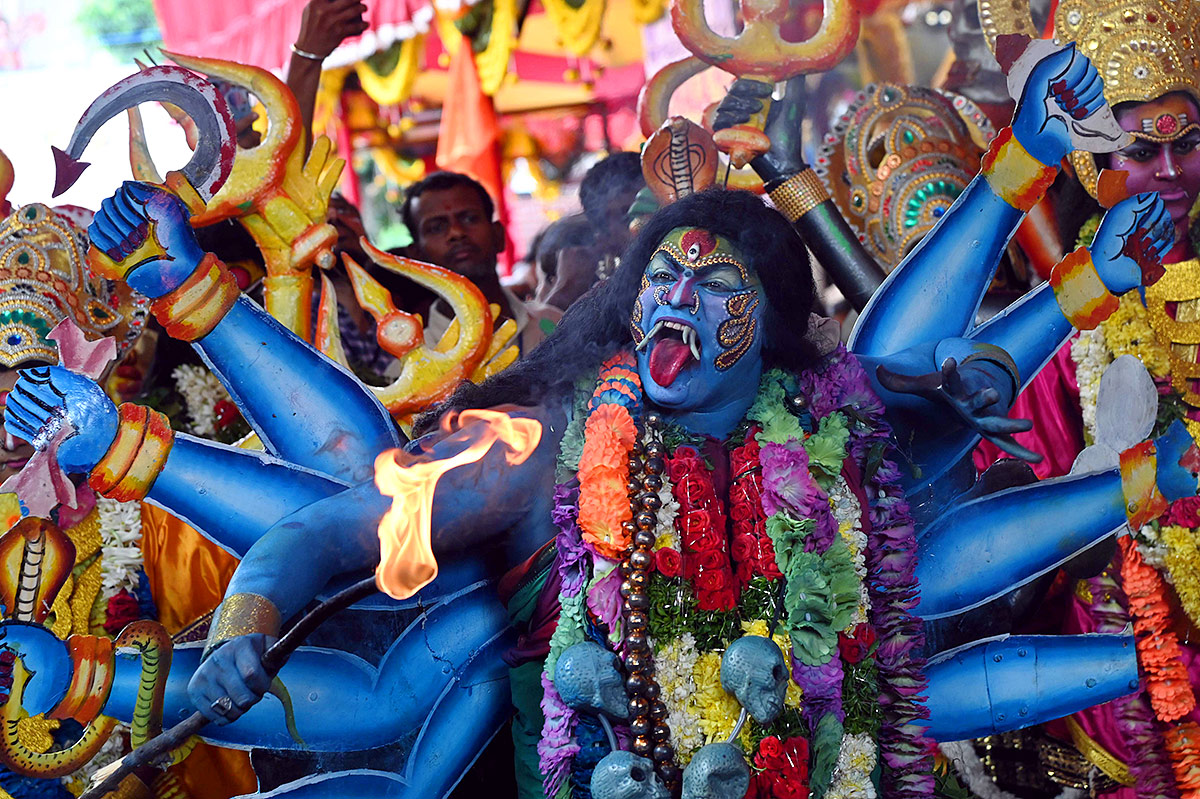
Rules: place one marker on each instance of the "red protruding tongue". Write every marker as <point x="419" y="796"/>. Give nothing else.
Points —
<point x="666" y="359"/>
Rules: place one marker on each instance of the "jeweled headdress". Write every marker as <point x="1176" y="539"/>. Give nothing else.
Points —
<point x="1143" y="49"/>
<point x="45" y="278"/>
<point x="897" y="159"/>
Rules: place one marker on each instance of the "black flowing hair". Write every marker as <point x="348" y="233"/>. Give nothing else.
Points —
<point x="597" y="324"/>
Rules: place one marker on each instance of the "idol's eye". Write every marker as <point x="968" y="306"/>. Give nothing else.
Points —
<point x="661" y="276"/>
<point x="717" y="284"/>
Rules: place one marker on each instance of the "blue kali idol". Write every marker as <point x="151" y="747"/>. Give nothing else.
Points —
<point x="710" y="469"/>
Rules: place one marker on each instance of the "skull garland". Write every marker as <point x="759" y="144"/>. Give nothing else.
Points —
<point x="588" y="677"/>
<point x="718" y="771"/>
<point x="753" y="670"/>
<point x="624" y="775"/>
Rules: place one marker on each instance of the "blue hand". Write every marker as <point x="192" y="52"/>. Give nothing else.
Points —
<point x="1140" y="215"/>
<point x="1069" y="77"/>
<point x="233" y="670"/>
<point x="980" y="391"/>
<point x="43" y="397"/>
<point x="152" y="223"/>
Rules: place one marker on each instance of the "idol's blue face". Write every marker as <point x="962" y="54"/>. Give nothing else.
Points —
<point x="698" y="330"/>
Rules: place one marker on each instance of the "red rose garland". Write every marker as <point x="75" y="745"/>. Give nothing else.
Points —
<point x="701" y="526"/>
<point x="753" y="552"/>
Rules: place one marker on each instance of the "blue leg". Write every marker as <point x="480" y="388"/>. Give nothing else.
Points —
<point x="1005" y="539"/>
<point x="357" y="784"/>
<point x="1016" y="682"/>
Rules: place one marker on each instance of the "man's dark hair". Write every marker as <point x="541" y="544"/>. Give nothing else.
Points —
<point x="597" y="324"/>
<point x="619" y="173"/>
<point x="440" y="181"/>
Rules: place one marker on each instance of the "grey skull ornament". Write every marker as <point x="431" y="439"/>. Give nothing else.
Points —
<point x="624" y="775"/>
<point x="753" y="670"/>
<point x="717" y="771"/>
<point x="588" y="677"/>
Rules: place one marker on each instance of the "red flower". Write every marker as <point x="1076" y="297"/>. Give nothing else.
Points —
<point x="744" y="547"/>
<point x="855" y="647"/>
<point x="703" y="539"/>
<point x="788" y="789"/>
<point x="796" y="751"/>
<point x="741" y="511"/>
<point x="122" y="609"/>
<point x="683" y="463"/>
<point x="711" y="579"/>
<point x="710" y="559"/>
<point x="226" y="414"/>
<point x="1184" y="512"/>
<point x="696" y="492"/>
<point x="770" y="753"/>
<point x="668" y="562"/>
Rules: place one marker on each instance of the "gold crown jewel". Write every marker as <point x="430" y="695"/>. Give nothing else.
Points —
<point x="45" y="278"/>
<point x="897" y="159"/>
<point x="1142" y="49"/>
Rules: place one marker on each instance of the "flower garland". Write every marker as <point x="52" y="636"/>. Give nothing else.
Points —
<point x="1167" y="681"/>
<point x="792" y="520"/>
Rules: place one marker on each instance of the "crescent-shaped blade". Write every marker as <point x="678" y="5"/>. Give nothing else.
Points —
<point x="212" y="159"/>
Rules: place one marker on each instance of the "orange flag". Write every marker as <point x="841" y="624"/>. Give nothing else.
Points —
<point x="469" y="137"/>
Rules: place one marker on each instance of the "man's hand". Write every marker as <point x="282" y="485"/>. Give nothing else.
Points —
<point x="44" y="397"/>
<point x="745" y="98"/>
<point x="979" y="391"/>
<point x="325" y="24"/>
<point x="234" y="671"/>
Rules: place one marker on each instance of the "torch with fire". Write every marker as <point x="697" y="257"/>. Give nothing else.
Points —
<point x="406" y="562"/>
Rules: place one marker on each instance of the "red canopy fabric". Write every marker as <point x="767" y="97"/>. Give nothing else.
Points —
<point x="261" y="32"/>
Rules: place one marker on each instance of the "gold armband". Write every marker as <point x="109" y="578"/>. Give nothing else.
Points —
<point x="136" y="456"/>
<point x="1139" y="483"/>
<point x="191" y="311"/>
<point x="243" y="614"/>
<point x="1081" y="294"/>
<point x="1014" y="175"/>
<point x="799" y="194"/>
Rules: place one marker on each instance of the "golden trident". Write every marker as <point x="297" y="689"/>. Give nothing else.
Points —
<point x="760" y="53"/>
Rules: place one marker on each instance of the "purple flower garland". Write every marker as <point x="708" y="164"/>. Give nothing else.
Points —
<point x="906" y="752"/>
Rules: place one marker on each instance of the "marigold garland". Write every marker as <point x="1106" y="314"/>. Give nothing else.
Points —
<point x="609" y="436"/>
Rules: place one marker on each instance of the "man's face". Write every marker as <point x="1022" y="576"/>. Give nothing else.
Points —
<point x="698" y="324"/>
<point x="14" y="452"/>
<point x="1171" y="168"/>
<point x="455" y="231"/>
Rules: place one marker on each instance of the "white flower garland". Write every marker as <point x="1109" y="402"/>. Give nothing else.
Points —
<point x="848" y="514"/>
<point x="201" y="391"/>
<point x="120" y="544"/>
<point x="1091" y="355"/>
<point x="855" y="763"/>
<point x="664" y="528"/>
<point x="675" y="664"/>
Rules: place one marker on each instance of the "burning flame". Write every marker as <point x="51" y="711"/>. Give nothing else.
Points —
<point x="406" y="561"/>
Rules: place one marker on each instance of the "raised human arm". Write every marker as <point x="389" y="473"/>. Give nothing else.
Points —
<point x="323" y="26"/>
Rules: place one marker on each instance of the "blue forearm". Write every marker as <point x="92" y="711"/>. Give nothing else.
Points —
<point x="233" y="496"/>
<point x="1031" y="330"/>
<point x="1008" y="538"/>
<point x="270" y="373"/>
<point x="935" y="291"/>
<point x="299" y="555"/>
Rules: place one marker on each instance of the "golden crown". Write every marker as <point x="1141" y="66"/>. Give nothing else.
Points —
<point x="897" y="159"/>
<point x="1142" y="49"/>
<point x="45" y="278"/>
